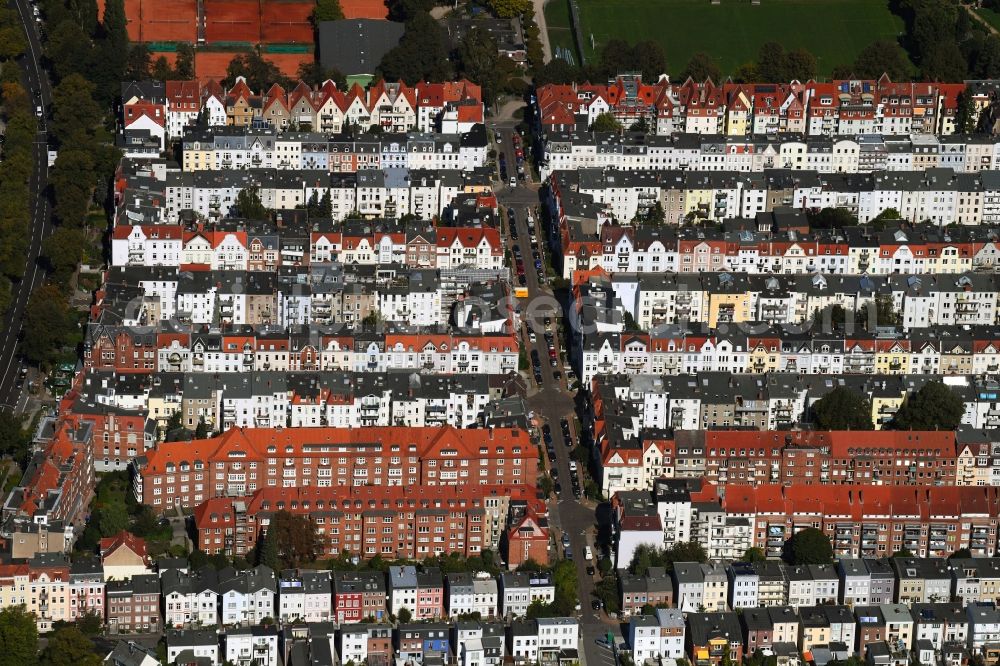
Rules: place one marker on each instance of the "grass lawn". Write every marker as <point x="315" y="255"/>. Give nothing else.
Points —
<point x="557" y="22"/>
<point x="987" y="14"/>
<point x="833" y="30"/>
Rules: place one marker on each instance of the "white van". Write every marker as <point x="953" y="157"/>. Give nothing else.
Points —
<point x="587" y="553"/>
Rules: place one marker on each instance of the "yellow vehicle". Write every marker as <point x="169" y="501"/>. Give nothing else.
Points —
<point x="521" y="292"/>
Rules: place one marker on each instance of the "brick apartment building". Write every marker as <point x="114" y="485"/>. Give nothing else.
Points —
<point x="871" y="521"/>
<point x="391" y="521"/>
<point x="242" y="461"/>
<point x="808" y="458"/>
<point x="133" y="605"/>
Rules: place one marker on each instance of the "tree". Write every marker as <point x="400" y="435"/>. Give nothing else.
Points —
<point x="268" y="551"/>
<point x="753" y="554"/>
<point x="18" y="637"/>
<point x="15" y="441"/>
<point x="617" y="56"/>
<point x="903" y="552"/>
<point x="538" y="609"/>
<point x="422" y="53"/>
<point x="987" y="58"/>
<point x="961" y="554"/>
<point x="112" y="519"/>
<point x="161" y="70"/>
<point x="68" y="646"/>
<point x="201" y="429"/>
<point x="842" y="409"/>
<point x="404" y="615"/>
<point x="771" y="63"/>
<point x="145" y="523"/>
<point x="48" y="325"/>
<point x="800" y="65"/>
<point x="113" y="51"/>
<point x="327" y="10"/>
<point x="646" y="556"/>
<point x="139" y="63"/>
<point x="12" y="43"/>
<point x="964" y="114"/>
<point x="882" y="56"/>
<point x="557" y="71"/>
<point x="933" y="407"/>
<point x="508" y="8"/>
<point x="479" y="58"/>
<point x="76" y="116"/>
<point x="649" y="60"/>
<point x="69" y="49"/>
<point x="295" y="541"/>
<point x="809" y="546"/>
<point x="606" y="122"/>
<point x="72" y="181"/>
<point x="62" y="251"/>
<point x="545" y="485"/>
<point x="315" y="74"/>
<point x="641" y="125"/>
<point x="90" y="623"/>
<point x="700" y="67"/>
<point x="944" y="62"/>
<point x="184" y="65"/>
<point x="259" y="73"/>
<point x="249" y="205"/>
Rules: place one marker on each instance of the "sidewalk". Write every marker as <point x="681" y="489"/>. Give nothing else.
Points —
<point x="543" y="28"/>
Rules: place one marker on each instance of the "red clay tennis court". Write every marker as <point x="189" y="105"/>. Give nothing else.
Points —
<point x="232" y="21"/>
<point x="175" y="21"/>
<point x="369" y="9"/>
<point x="289" y="63"/>
<point x="287" y="22"/>
<point x="211" y="65"/>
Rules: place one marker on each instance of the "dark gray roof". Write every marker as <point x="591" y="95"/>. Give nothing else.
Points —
<point x="356" y="46"/>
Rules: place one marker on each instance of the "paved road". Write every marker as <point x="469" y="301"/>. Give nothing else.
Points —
<point x="552" y="401"/>
<point x="36" y="80"/>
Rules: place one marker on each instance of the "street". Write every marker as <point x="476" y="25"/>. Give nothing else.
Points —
<point x="552" y="401"/>
<point x="12" y="396"/>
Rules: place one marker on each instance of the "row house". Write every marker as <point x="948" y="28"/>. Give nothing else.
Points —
<point x="305" y="596"/>
<point x="363" y="642"/>
<point x="843" y="107"/>
<point x="133" y="605"/>
<point x="785" y="149"/>
<point x="793" y="458"/>
<point x="684" y="349"/>
<point x="659" y="636"/>
<point x="468" y="594"/>
<point x="865" y="522"/>
<point x="370" y="193"/>
<point x="314" y="349"/>
<point x="233" y="399"/>
<point x="388" y="106"/>
<point x="358" y="595"/>
<point x="939" y="195"/>
<point x="878" y="632"/>
<point x="851" y="251"/>
<point x="366" y="521"/>
<point x="543" y="639"/>
<point x="225" y="148"/>
<point x="519" y="589"/>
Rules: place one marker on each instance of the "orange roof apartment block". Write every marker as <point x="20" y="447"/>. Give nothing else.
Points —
<point x="408" y="522"/>
<point x="242" y="461"/>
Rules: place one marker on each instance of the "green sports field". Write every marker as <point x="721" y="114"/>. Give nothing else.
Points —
<point x="733" y="31"/>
